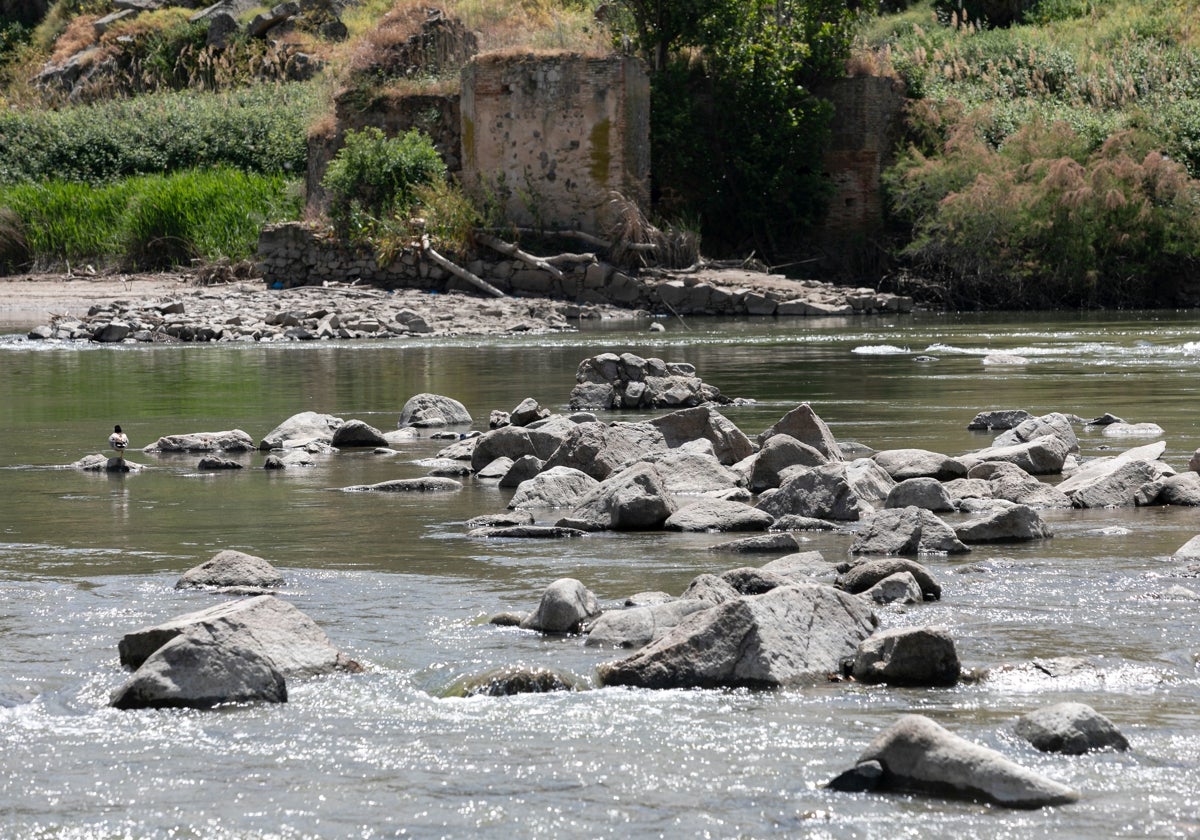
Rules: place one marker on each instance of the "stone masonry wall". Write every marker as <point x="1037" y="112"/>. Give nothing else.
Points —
<point x="551" y="136"/>
<point x="299" y="254"/>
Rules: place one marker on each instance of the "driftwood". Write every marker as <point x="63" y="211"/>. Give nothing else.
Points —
<point x="570" y="234"/>
<point x="516" y="253"/>
<point x="458" y="271"/>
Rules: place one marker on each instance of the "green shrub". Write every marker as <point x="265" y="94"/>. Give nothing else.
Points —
<point x="1047" y="221"/>
<point x="257" y="129"/>
<point x="149" y="221"/>
<point x="374" y="177"/>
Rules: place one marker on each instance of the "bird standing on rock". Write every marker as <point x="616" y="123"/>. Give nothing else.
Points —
<point x="118" y="440"/>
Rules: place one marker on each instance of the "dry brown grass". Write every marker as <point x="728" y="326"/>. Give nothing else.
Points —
<point x="77" y="37"/>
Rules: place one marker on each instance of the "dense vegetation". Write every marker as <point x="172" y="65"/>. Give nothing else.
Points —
<point x="1051" y="162"/>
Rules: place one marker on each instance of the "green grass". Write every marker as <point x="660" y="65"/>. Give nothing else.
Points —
<point x="150" y="221"/>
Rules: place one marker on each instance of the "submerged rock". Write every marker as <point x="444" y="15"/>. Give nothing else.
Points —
<point x="566" y="604"/>
<point x="915" y="754"/>
<point x="512" y="680"/>
<point x="231" y="568"/>
<point x="1070" y="728"/>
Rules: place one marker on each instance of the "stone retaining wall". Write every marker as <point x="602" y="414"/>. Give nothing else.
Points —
<point x="298" y="254"/>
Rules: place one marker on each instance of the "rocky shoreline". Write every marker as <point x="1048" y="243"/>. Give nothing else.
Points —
<point x="244" y="310"/>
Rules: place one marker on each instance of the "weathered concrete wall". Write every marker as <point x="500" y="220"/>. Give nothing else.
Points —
<point x="551" y="136"/>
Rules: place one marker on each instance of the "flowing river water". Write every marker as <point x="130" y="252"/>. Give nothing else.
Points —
<point x="397" y="584"/>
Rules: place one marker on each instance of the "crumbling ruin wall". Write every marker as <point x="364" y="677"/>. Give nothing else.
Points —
<point x="551" y="137"/>
<point x="866" y="122"/>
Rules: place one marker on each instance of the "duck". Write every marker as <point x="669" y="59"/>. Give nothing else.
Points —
<point x="118" y="440"/>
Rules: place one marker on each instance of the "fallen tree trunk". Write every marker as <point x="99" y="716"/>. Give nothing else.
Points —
<point x="513" y="251"/>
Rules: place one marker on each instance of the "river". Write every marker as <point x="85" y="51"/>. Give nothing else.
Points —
<point x="396" y="583"/>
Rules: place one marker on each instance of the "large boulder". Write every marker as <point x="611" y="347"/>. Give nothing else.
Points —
<point x="1189" y="552"/>
<point x="638" y="626"/>
<point x="916" y="754"/>
<point x="1070" y="728"/>
<point x="198" y="672"/>
<point x="1054" y="424"/>
<point x="425" y="411"/>
<point x="635" y="499"/>
<point x="565" y="605"/>
<point x="357" y="434"/>
<point x="903" y="464"/>
<point x="692" y="470"/>
<point x="777" y="543"/>
<point x="820" y="492"/>
<point x="1044" y="455"/>
<point x="777" y="454"/>
<point x="234" y="440"/>
<point x="790" y="635"/>
<point x="924" y="492"/>
<point x="1182" y="489"/>
<point x="539" y="440"/>
<point x="1114" y="483"/>
<point x="919" y="656"/>
<point x="599" y="449"/>
<point x="869" y="481"/>
<point x="861" y="577"/>
<point x="999" y="419"/>
<point x="718" y="515"/>
<point x="909" y="530"/>
<point x="1011" y="483"/>
<point x="803" y="424"/>
<point x="301" y="429"/>
<point x="232" y="569"/>
<point x="557" y="487"/>
<point x="704" y="422"/>
<point x="1006" y="523"/>
<point x="265" y="624"/>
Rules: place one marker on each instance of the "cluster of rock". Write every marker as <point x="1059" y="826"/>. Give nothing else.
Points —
<point x="298" y="439"/>
<point x="302" y="254"/>
<point x="238" y="651"/>
<point x="627" y="381"/>
<point x="245" y="313"/>
<point x="796" y="620"/>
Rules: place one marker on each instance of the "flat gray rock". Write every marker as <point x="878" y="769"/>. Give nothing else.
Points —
<point x="427" y="484"/>
<point x="718" y="515"/>
<point x="909" y="530"/>
<point x="790" y="635"/>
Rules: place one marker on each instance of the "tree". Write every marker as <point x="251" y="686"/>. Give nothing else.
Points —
<point x="737" y="132"/>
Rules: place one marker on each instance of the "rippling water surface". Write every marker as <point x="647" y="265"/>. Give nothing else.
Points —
<point x="396" y="583"/>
